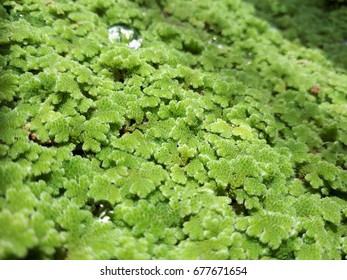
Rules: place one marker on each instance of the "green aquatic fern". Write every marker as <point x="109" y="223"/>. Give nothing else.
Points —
<point x="206" y="134"/>
<point x="17" y="236"/>
<point x="271" y="228"/>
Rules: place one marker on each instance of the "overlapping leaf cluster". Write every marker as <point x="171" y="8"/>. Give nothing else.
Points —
<point x="207" y="142"/>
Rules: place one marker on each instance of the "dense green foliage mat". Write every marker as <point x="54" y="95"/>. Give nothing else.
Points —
<point x="198" y="130"/>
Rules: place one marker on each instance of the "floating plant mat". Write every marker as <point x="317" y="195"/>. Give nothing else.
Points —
<point x="167" y="130"/>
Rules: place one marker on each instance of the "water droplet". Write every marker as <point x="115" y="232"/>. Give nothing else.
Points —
<point x="135" y="44"/>
<point x="213" y="40"/>
<point x="104" y="215"/>
<point x="122" y="34"/>
<point x="104" y="219"/>
<point x="249" y="58"/>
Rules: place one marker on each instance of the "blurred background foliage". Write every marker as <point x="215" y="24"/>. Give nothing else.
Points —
<point x="318" y="24"/>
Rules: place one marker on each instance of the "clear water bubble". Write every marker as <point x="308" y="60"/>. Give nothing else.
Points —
<point x="104" y="219"/>
<point x="105" y="216"/>
<point x="213" y="40"/>
<point x="249" y="58"/>
<point x="122" y="34"/>
<point x="135" y="44"/>
<point x="103" y="211"/>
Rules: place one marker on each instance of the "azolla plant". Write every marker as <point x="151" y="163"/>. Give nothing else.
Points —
<point x="209" y="137"/>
